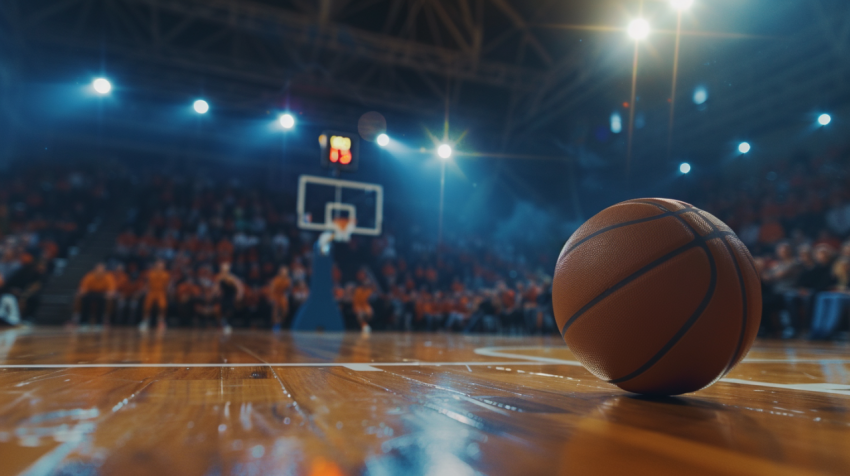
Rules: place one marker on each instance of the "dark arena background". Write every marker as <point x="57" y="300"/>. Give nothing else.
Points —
<point x="319" y="237"/>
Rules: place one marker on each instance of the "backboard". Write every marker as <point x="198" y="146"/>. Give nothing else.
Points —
<point x="322" y="199"/>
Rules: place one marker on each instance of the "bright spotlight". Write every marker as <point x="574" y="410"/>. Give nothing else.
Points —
<point x="744" y="147"/>
<point x="616" y="123"/>
<point x="287" y="121"/>
<point x="201" y="106"/>
<point x="700" y="95"/>
<point x="824" y="119"/>
<point x="682" y="4"/>
<point x="383" y="140"/>
<point x="444" y="151"/>
<point x="685" y="168"/>
<point x="102" y="86"/>
<point x="639" y="29"/>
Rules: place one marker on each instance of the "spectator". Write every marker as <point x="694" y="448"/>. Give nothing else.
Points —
<point x="360" y="303"/>
<point x="278" y="295"/>
<point x="158" y="281"/>
<point x="95" y="294"/>
<point x="838" y="216"/>
<point x="231" y="291"/>
<point x="9" y="313"/>
<point x="784" y="275"/>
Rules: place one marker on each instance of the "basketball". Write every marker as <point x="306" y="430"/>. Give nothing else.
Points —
<point x="657" y="297"/>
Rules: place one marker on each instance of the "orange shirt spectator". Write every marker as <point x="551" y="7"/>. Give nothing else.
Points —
<point x="508" y="298"/>
<point x="187" y="290"/>
<point x="158" y="281"/>
<point x="131" y="287"/>
<point x="424" y="305"/>
<point x="279" y="286"/>
<point x="461" y="305"/>
<point x="121" y="279"/>
<point x="529" y="298"/>
<point x="97" y="282"/>
<point x="361" y="296"/>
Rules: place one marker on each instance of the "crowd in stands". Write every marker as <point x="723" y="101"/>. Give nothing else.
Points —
<point x="794" y="216"/>
<point x="43" y="214"/>
<point x="200" y="252"/>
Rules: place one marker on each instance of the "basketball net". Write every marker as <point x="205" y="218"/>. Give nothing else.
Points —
<point x="343" y="227"/>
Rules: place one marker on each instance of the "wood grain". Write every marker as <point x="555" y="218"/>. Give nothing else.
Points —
<point x="200" y="402"/>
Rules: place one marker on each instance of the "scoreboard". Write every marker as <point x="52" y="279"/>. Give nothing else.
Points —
<point x="339" y="150"/>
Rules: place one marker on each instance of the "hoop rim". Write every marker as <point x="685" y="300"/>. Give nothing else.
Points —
<point x="343" y="227"/>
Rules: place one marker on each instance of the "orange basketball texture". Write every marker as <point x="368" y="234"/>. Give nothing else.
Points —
<point x="657" y="297"/>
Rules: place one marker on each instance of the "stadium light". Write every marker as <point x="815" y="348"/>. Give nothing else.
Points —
<point x="744" y="147"/>
<point x="201" y="106"/>
<point x="616" y="122"/>
<point x="287" y="121"/>
<point x="682" y="4"/>
<point x="444" y="151"/>
<point x="824" y="119"/>
<point x="102" y="85"/>
<point x="700" y="95"/>
<point x="383" y="140"/>
<point x="638" y="29"/>
<point x="685" y="168"/>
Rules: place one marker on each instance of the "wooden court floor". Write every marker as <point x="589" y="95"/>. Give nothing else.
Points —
<point x="119" y="402"/>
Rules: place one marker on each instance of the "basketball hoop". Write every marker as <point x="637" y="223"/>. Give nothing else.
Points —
<point x="343" y="227"/>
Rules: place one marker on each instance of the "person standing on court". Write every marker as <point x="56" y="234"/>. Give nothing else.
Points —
<point x="158" y="281"/>
<point x="279" y="298"/>
<point x="360" y="303"/>
<point x="95" y="294"/>
<point x="231" y="291"/>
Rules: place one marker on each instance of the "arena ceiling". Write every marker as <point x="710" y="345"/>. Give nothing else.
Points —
<point x="521" y="77"/>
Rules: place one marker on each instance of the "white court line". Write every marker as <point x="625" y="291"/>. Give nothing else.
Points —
<point x="795" y="361"/>
<point x="368" y="366"/>
<point x="360" y="366"/>
<point x="500" y="352"/>
<point x="834" y="389"/>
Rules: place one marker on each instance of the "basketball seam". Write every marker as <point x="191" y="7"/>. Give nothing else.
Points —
<point x="709" y="295"/>
<point x="696" y="242"/>
<point x="706" y="300"/>
<point x="743" y="287"/>
<point x="745" y="305"/>
<point x="662" y="207"/>
<point x="624" y="224"/>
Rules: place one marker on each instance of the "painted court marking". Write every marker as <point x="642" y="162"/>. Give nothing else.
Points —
<point x="358" y="366"/>
<point x="835" y="389"/>
<point x="501" y="352"/>
<point x="505" y="352"/>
